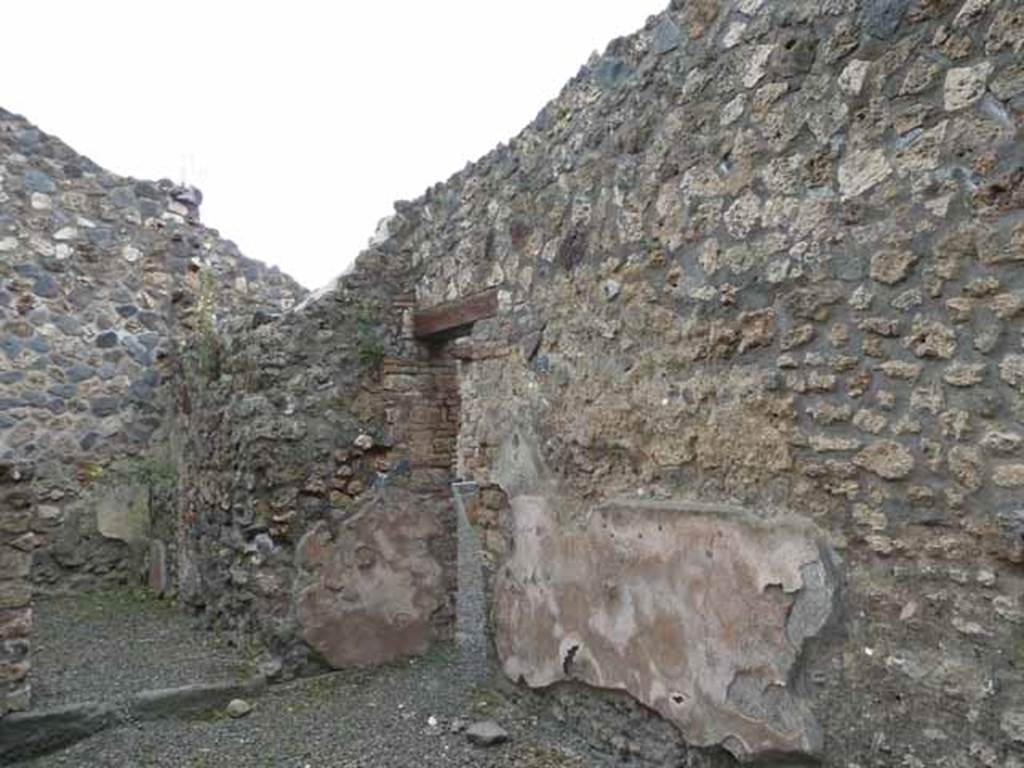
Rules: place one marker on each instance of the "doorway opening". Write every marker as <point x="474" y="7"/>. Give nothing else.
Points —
<point x="437" y="329"/>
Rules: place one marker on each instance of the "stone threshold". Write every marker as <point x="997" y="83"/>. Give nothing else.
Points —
<point x="25" y="735"/>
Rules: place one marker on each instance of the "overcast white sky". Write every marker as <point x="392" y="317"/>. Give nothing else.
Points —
<point x="301" y="121"/>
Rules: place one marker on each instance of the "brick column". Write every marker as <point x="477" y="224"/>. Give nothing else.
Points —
<point x="16" y="543"/>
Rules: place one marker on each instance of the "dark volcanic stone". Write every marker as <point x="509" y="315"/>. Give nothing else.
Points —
<point x="37" y="181"/>
<point x="107" y="340"/>
<point x="63" y="391"/>
<point x="147" y="190"/>
<point x="149" y="320"/>
<point x="36" y="399"/>
<point x="46" y="286"/>
<point x="261" y="318"/>
<point x="140" y="391"/>
<point x="122" y="197"/>
<point x="611" y="71"/>
<point x="666" y="37"/>
<point x="68" y="324"/>
<point x="10" y="346"/>
<point x="149" y="340"/>
<point x="29" y="138"/>
<point x="80" y="372"/>
<point x="881" y="18"/>
<point x="38" y="344"/>
<point x="137" y="351"/>
<point x="100" y="236"/>
<point x="104" y="406"/>
<point x="27" y="270"/>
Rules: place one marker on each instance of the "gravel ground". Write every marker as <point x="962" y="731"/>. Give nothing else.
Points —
<point x="476" y="658"/>
<point x="375" y="718"/>
<point x="105" y="645"/>
<point x="404" y="714"/>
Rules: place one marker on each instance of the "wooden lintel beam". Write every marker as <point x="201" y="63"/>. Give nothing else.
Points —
<point x="454" y="314"/>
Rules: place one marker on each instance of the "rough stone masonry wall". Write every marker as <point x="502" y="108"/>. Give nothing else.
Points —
<point x="98" y="275"/>
<point x="315" y="512"/>
<point x="761" y="270"/>
<point x="17" y="539"/>
<point x="753" y="394"/>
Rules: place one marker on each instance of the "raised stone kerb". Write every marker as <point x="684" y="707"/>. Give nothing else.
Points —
<point x="700" y="612"/>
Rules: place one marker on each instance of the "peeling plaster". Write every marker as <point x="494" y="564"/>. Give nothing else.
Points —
<point x="698" y="611"/>
<point x="375" y="586"/>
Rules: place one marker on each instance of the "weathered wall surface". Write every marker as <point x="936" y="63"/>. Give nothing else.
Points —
<point x="761" y="259"/>
<point x="673" y="603"/>
<point x="17" y="540"/>
<point x="315" y="510"/>
<point x="98" y="275"/>
<point x="769" y="255"/>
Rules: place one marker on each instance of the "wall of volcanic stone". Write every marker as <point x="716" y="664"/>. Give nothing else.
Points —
<point x="17" y="540"/>
<point x="315" y="514"/>
<point x="753" y="394"/>
<point x="99" y="274"/>
<point x="760" y="271"/>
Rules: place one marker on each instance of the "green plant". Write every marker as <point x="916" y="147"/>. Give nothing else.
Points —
<point x="156" y="470"/>
<point x="94" y="606"/>
<point x="370" y="345"/>
<point x="209" y="343"/>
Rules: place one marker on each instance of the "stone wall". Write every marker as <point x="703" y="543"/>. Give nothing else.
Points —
<point x="751" y="391"/>
<point x="759" y="323"/>
<point x="18" y="519"/>
<point x="99" y="274"/>
<point x="315" y="512"/>
<point x="763" y="255"/>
